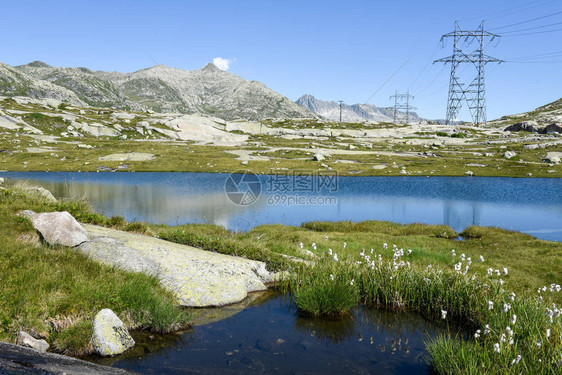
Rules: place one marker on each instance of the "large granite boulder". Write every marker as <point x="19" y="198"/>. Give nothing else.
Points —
<point x="59" y="228"/>
<point x="509" y="154"/>
<point x="198" y="278"/>
<point x="528" y="126"/>
<point x="552" y="128"/>
<point x="110" y="335"/>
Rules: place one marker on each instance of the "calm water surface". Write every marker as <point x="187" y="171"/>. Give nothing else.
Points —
<point x="270" y="337"/>
<point x="529" y="205"/>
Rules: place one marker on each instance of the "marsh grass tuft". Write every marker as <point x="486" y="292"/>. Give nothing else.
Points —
<point x="325" y="287"/>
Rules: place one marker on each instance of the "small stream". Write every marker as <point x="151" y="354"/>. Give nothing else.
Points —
<point x="267" y="335"/>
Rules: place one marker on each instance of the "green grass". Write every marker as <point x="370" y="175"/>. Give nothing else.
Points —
<point x="56" y="291"/>
<point x="507" y="327"/>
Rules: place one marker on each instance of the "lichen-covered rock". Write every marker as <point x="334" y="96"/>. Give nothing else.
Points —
<point x="42" y="192"/>
<point x="25" y="339"/>
<point x="509" y="154"/>
<point x="198" y="278"/>
<point x="110" y="335"/>
<point x="59" y="228"/>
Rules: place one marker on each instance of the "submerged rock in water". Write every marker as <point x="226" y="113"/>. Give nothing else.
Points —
<point x="25" y="339"/>
<point x="59" y="228"/>
<point x="197" y="277"/>
<point x="110" y="335"/>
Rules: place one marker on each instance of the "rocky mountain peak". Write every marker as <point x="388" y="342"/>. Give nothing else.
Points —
<point x="38" y="64"/>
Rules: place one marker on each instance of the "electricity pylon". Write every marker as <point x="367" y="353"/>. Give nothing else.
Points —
<point x="475" y="92"/>
<point x="402" y="102"/>
<point x="341" y="105"/>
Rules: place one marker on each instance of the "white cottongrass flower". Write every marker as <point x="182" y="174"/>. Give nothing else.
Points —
<point x="458" y="267"/>
<point x="453" y="252"/>
<point x="490" y="305"/>
<point x="352" y="282"/>
<point x="512" y="296"/>
<point x="547" y="332"/>
<point x="497" y="347"/>
<point x="409" y="251"/>
<point x="513" y="319"/>
<point x="344" y="245"/>
<point x="509" y="331"/>
<point x="477" y="334"/>
<point x="516" y="360"/>
<point x="487" y="329"/>
<point x="506" y="307"/>
<point x="503" y="338"/>
<point x="336" y="257"/>
<point x="385" y="246"/>
<point x="314" y="245"/>
<point x="325" y="238"/>
<point x="501" y="282"/>
<point x="490" y="271"/>
<point x="443" y="314"/>
<point x="498" y="273"/>
<point x="301" y="245"/>
<point x="539" y="343"/>
<point x="331" y="277"/>
<point x="330" y="251"/>
<point x="481" y="259"/>
<point x="463" y="257"/>
<point x="469" y="261"/>
<point x="505" y="271"/>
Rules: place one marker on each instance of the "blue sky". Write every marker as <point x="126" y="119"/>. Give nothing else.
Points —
<point x="333" y="50"/>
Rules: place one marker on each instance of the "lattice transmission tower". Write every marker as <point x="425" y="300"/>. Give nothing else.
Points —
<point x="402" y="107"/>
<point x="475" y="93"/>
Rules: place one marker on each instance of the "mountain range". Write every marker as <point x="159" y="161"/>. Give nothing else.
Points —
<point x="209" y="90"/>
<point x="351" y="113"/>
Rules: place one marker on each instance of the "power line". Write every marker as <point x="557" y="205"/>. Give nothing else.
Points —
<point x="537" y="32"/>
<point x="532" y="28"/>
<point x="425" y="67"/>
<point x="385" y="82"/>
<point x="527" y="21"/>
<point x="510" y="11"/>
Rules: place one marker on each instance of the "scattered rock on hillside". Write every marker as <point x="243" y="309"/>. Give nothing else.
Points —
<point x="528" y="126"/>
<point x="25" y="339"/>
<point x="509" y="154"/>
<point x="59" y="228"/>
<point x="41" y="192"/>
<point x="553" y="157"/>
<point x="318" y="157"/>
<point x="469" y="173"/>
<point x="110" y="335"/>
<point x="552" y="128"/>
<point x="130" y="156"/>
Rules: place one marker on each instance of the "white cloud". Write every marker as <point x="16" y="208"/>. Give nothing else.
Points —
<point x="222" y="64"/>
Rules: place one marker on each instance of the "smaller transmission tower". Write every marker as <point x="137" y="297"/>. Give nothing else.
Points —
<point x="341" y="105"/>
<point x="475" y="93"/>
<point x="402" y="107"/>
